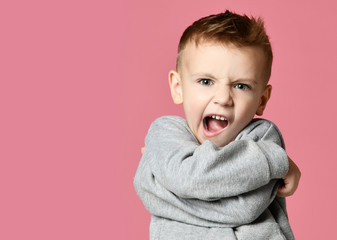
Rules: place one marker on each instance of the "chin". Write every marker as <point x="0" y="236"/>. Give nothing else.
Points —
<point x="219" y="143"/>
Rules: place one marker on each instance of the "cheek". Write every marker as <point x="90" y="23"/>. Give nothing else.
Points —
<point x="247" y="108"/>
<point x="195" y="100"/>
<point x="192" y="111"/>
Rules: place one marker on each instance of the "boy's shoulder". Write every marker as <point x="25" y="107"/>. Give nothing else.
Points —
<point x="170" y="119"/>
<point x="169" y="131"/>
<point x="170" y="126"/>
<point x="263" y="124"/>
<point x="262" y="129"/>
<point x="169" y="123"/>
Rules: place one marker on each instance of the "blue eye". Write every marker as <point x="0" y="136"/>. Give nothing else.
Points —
<point x="242" y="86"/>
<point x="206" y="82"/>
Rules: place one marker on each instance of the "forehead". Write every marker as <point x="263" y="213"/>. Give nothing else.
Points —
<point x="223" y="60"/>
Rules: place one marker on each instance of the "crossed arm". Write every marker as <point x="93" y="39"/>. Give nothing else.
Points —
<point x="205" y="185"/>
<point x="290" y="181"/>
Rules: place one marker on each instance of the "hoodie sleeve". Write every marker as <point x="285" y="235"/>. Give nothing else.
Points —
<point x="202" y="184"/>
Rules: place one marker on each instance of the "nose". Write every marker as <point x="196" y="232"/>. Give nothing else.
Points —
<point x="223" y="97"/>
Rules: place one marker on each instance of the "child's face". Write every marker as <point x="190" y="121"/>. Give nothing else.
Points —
<point x="221" y="88"/>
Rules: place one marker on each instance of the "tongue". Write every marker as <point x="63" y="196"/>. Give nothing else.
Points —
<point x="214" y="125"/>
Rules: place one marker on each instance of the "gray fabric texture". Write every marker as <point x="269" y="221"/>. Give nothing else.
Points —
<point x="201" y="191"/>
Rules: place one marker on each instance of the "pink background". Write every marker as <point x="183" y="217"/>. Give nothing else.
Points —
<point x="81" y="81"/>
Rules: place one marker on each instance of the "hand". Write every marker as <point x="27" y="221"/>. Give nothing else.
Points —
<point x="291" y="181"/>
<point x="142" y="150"/>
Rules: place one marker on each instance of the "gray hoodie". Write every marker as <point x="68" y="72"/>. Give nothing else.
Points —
<point x="201" y="191"/>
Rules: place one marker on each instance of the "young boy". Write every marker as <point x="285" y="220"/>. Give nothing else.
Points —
<point x="216" y="174"/>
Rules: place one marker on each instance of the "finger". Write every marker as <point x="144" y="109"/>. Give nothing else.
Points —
<point x="142" y="150"/>
<point x="282" y="192"/>
<point x="286" y="190"/>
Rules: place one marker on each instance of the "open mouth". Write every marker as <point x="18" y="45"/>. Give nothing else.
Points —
<point x="214" y="124"/>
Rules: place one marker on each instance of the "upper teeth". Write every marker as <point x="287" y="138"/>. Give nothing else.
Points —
<point x="218" y="117"/>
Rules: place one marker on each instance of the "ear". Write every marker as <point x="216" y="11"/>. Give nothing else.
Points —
<point x="264" y="100"/>
<point x="176" y="88"/>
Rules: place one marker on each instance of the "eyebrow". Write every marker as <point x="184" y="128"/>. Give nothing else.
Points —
<point x="208" y="75"/>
